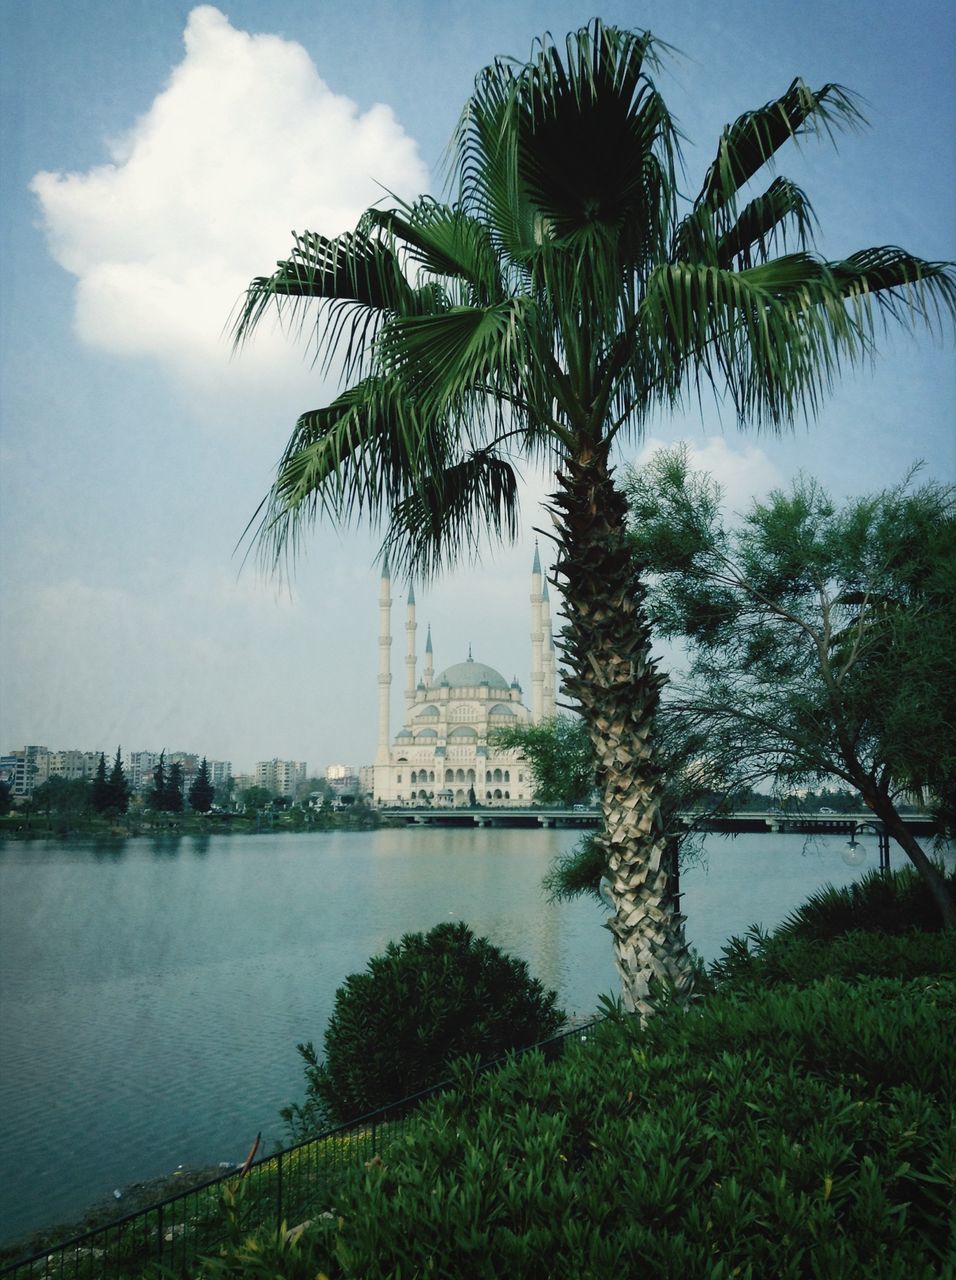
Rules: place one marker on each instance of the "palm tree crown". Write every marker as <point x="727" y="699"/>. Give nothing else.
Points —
<point x="562" y="296"/>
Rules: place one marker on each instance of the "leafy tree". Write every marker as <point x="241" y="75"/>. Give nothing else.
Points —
<point x="201" y="792"/>
<point x="558" y="753"/>
<point x="821" y="637"/>
<point x="6" y="798"/>
<point x="118" y="786"/>
<point x="256" y="797"/>
<point x="396" y="1028"/>
<point x="101" y="795"/>
<point x="64" y="796"/>
<point x="224" y="792"/>
<point x="562" y="296"/>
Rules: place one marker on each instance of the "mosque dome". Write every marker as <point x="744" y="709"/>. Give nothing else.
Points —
<point x="467" y="675"/>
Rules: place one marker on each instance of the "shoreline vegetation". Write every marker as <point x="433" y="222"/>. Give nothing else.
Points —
<point x="18" y="825"/>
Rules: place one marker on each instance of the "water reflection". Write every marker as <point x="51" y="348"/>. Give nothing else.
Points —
<point x="129" y="1011"/>
<point x="165" y="844"/>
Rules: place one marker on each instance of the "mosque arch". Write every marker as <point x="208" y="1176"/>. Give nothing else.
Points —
<point x="462" y="731"/>
<point x="449" y="775"/>
<point x="428" y="713"/>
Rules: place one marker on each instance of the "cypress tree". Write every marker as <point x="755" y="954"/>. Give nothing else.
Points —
<point x="157" y="797"/>
<point x="173" y="802"/>
<point x="101" y="797"/>
<point x="118" y="786"/>
<point x="201" y="792"/>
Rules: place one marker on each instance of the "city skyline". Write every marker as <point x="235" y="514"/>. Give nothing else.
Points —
<point x="142" y="192"/>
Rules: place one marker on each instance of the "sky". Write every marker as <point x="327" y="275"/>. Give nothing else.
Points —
<point x="155" y="156"/>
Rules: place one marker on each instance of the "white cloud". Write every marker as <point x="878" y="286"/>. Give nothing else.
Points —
<point x="245" y="143"/>
<point x="743" y="473"/>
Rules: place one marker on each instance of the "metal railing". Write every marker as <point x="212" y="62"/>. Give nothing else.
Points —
<point x="285" y="1187"/>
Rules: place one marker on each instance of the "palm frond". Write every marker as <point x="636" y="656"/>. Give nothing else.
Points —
<point x="763" y="221"/>
<point x="905" y="288"/>
<point x="774" y="334"/>
<point x="444" y="359"/>
<point x="451" y="511"/>
<point x="354" y="459"/>
<point x="749" y="143"/>
<point x="359" y="277"/>
<point x="444" y="242"/>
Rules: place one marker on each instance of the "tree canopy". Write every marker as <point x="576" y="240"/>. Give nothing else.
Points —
<point x="559" y="755"/>
<point x="820" y="635"/>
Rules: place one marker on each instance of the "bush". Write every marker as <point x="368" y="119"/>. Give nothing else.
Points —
<point x="396" y="1028"/>
<point x="761" y="959"/>
<point x="784" y="1133"/>
<point x="893" y="903"/>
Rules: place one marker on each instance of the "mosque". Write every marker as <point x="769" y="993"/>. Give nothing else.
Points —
<point x="442" y="755"/>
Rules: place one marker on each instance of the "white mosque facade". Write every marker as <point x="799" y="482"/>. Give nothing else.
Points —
<point x="442" y="755"/>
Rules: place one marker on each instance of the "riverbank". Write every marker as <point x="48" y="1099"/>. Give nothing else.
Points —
<point x="133" y="1198"/>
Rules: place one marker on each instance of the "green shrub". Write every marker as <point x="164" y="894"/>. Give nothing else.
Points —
<point x="771" y="959"/>
<point x="396" y="1028"/>
<point x="893" y="903"/>
<point x="785" y="1133"/>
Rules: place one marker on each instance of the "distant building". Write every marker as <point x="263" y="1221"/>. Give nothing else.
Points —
<point x="280" y="776"/>
<point x="30" y="767"/>
<point x="73" y="765"/>
<point x="443" y="755"/>
<point x="220" y="771"/>
<point x="139" y="766"/>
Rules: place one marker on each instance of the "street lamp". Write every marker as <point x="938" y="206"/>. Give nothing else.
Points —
<point x="854" y="854"/>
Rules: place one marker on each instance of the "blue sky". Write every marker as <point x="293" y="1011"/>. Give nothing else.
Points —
<point x="155" y="156"/>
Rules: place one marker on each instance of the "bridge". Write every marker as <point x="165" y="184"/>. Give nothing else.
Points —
<point x="534" y="816"/>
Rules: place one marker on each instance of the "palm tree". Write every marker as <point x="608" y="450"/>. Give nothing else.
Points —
<point x="545" y="312"/>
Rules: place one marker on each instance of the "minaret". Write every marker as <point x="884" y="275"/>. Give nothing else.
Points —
<point x="537" y="640"/>
<point x="384" y="672"/>
<point x="549" y="684"/>
<point x="429" y="660"/>
<point x="410" y="627"/>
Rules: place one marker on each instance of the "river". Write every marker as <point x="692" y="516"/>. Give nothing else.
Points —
<point x="153" y="990"/>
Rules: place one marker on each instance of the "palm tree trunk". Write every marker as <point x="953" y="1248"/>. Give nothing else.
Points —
<point x="612" y="678"/>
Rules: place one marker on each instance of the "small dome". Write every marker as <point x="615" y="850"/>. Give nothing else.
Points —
<point x="467" y="675"/>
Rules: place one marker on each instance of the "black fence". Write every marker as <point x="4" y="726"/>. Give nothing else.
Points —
<point x="288" y="1186"/>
